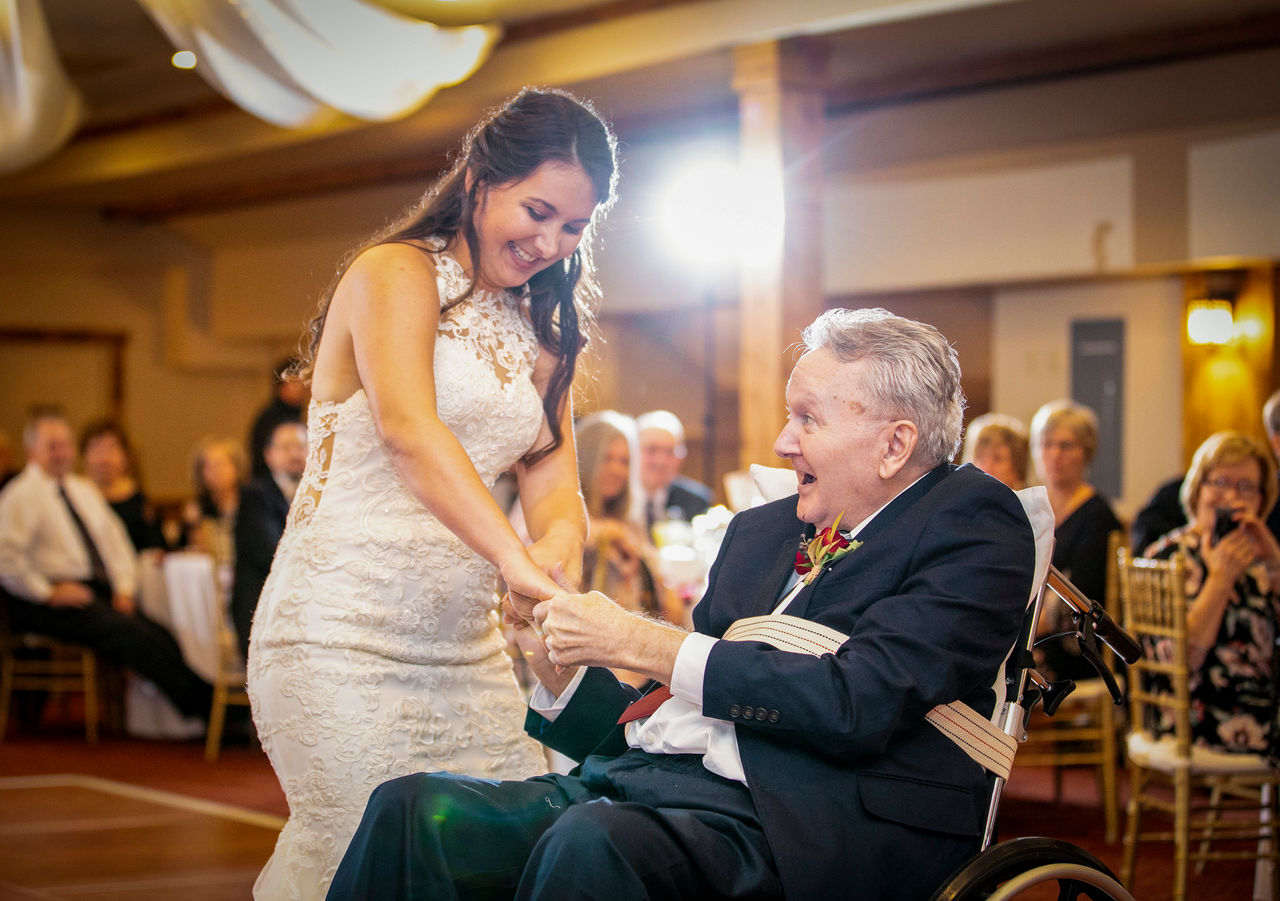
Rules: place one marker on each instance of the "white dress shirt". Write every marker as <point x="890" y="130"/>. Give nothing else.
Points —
<point x="39" y="541"/>
<point x="678" y="726"/>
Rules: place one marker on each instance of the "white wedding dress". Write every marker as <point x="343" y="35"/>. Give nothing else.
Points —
<point x="376" y="649"/>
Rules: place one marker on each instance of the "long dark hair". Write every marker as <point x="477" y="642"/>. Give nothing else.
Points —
<point x="534" y="127"/>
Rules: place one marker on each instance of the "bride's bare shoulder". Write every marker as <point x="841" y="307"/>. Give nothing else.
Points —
<point x="397" y="255"/>
<point x="388" y="273"/>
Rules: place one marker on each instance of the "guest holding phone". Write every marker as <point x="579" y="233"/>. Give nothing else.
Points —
<point x="1233" y="568"/>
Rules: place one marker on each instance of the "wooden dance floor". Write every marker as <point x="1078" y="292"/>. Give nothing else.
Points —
<point x="81" y="837"/>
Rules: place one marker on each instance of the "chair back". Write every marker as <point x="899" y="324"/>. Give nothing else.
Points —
<point x="1153" y="598"/>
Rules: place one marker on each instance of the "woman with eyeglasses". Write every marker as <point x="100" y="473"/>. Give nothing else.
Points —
<point x="1233" y="568"/>
<point x="1064" y="438"/>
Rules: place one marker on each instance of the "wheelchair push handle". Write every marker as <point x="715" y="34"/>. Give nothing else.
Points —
<point x="1107" y="629"/>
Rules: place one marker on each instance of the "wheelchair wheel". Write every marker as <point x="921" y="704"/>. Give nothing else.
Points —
<point x="1030" y="868"/>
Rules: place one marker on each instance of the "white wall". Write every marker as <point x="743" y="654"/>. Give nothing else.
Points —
<point x="883" y="232"/>
<point x="1234" y="195"/>
<point x="1032" y="365"/>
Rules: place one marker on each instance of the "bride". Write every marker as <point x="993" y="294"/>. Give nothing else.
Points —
<point x="442" y="357"/>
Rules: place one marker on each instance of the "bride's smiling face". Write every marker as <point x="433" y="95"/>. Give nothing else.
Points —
<point x="525" y="226"/>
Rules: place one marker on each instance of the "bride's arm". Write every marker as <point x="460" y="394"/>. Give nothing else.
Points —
<point x="554" y="511"/>
<point x="389" y="302"/>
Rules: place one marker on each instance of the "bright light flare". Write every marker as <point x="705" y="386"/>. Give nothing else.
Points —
<point x="715" y="211"/>
<point x="1210" y="322"/>
<point x="183" y="59"/>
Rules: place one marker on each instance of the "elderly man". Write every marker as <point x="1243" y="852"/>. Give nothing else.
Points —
<point x="666" y="492"/>
<point x="767" y="772"/>
<point x="68" y="568"/>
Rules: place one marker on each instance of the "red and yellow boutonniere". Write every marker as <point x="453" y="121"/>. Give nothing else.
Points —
<point x="821" y="550"/>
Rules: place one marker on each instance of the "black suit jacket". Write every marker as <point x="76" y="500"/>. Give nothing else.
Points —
<point x="259" y="524"/>
<point x="693" y="498"/>
<point x="856" y="792"/>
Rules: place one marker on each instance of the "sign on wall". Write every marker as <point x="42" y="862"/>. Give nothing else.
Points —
<point x="1097" y="381"/>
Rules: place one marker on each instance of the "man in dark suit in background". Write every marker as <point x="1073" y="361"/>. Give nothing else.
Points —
<point x="264" y="506"/>
<point x="667" y="494"/>
<point x="766" y="772"/>
<point x="288" y="397"/>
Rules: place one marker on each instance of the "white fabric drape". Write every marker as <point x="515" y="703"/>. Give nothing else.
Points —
<point x="39" y="107"/>
<point x="295" y="63"/>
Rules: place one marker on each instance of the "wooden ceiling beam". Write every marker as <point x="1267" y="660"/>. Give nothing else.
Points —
<point x="1074" y="60"/>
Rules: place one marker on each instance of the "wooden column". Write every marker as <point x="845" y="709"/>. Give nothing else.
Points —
<point x="781" y="105"/>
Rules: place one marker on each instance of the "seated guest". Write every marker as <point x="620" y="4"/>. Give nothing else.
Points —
<point x="264" y="506"/>
<point x="764" y="773"/>
<point x="615" y="560"/>
<point x="288" y="398"/>
<point x="1232" y="572"/>
<point x="68" y="569"/>
<point x="1164" y="513"/>
<point x="1064" y="438"/>
<point x="999" y="446"/>
<point x="109" y="462"/>
<point x="217" y="472"/>
<point x="667" y="494"/>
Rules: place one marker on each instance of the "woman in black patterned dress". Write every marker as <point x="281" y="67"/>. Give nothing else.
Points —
<point x="1232" y="590"/>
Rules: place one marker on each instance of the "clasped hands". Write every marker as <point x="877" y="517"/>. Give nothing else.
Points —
<point x="1250" y="543"/>
<point x="568" y="630"/>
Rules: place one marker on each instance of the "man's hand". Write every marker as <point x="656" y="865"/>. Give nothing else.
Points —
<point x="70" y="594"/>
<point x="591" y="630"/>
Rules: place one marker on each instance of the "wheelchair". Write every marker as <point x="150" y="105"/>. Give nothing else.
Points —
<point x="1033" y="866"/>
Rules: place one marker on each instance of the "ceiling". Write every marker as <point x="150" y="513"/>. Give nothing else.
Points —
<point x="158" y="141"/>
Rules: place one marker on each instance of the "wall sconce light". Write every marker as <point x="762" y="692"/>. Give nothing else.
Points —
<point x="1210" y="322"/>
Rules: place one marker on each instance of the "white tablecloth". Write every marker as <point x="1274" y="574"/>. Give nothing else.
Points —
<point x="180" y="592"/>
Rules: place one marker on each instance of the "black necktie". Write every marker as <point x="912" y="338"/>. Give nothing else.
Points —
<point x="95" y="558"/>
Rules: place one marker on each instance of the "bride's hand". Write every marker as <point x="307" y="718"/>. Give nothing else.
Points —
<point x="526" y="584"/>
<point x="560" y="557"/>
<point x="533" y="648"/>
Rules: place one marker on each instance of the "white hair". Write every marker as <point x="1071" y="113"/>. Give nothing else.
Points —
<point x="912" y="372"/>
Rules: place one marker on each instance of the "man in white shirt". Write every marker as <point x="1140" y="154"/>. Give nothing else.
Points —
<point x="68" y="570"/>
<point x="767" y="771"/>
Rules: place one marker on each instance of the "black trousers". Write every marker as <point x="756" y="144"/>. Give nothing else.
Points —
<point x="135" y="642"/>
<point x="633" y="827"/>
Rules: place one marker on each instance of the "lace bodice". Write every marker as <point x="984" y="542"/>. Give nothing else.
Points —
<point x="484" y="357"/>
